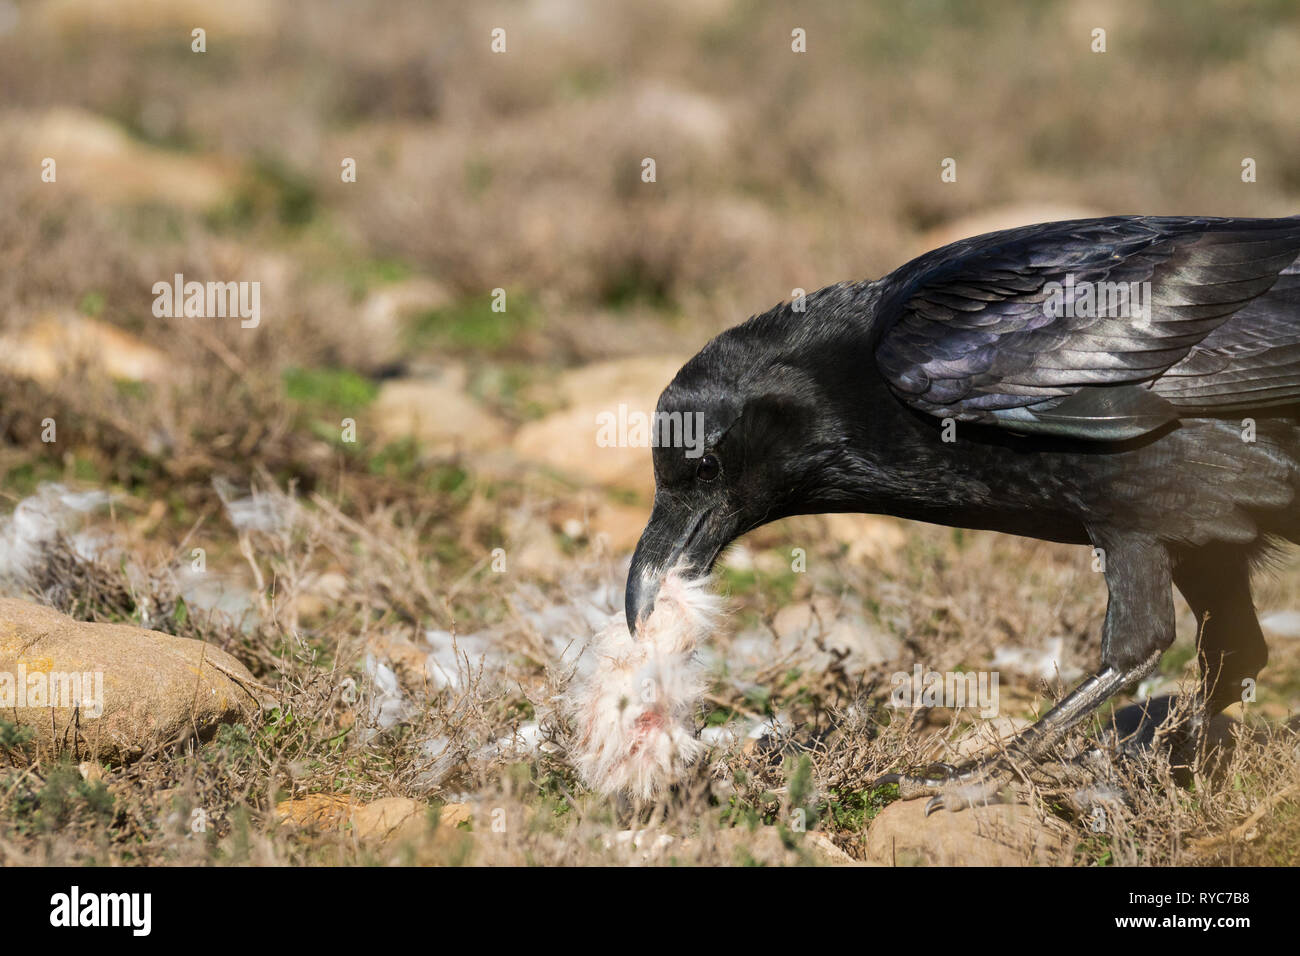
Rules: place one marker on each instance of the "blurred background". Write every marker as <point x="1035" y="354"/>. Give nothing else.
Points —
<point x="521" y="171"/>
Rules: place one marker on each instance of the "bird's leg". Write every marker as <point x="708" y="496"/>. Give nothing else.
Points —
<point x="1229" y="642"/>
<point x="1139" y="626"/>
<point x="984" y="781"/>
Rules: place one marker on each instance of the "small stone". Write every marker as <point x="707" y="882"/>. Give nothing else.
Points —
<point x="435" y="411"/>
<point x="326" y="811"/>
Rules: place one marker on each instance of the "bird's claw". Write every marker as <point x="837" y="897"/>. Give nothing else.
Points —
<point x="974" y="784"/>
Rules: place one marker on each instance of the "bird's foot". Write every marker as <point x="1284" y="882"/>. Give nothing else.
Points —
<point x="977" y="783"/>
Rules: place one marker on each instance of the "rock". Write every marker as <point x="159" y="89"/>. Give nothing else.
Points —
<point x="398" y="820"/>
<point x="825" y="851"/>
<point x="636" y="381"/>
<point x="59" y="345"/>
<point x="1002" y="835"/>
<point x="1147" y="725"/>
<point x="412" y="840"/>
<point x="150" y="688"/>
<point x="566" y="440"/>
<point x="98" y="159"/>
<point x="619" y="526"/>
<point x="435" y="411"/>
<point x="325" y="811"/>
<point x="831" y="625"/>
<point x="531" y="546"/>
<point x="868" y="537"/>
<point x="383" y="818"/>
<point x="454" y="814"/>
<point x="386" y="820"/>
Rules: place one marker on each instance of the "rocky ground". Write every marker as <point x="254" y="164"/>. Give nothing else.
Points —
<point x="339" y="570"/>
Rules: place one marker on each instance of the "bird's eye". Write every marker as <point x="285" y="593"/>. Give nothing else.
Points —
<point x="708" y="468"/>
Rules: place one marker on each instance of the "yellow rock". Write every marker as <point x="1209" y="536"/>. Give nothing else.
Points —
<point x="96" y="157"/>
<point x="324" y="810"/>
<point x="381" y="819"/>
<point x="386" y="819"/>
<point x="873" y="538"/>
<point x="566" y="440"/>
<point x="435" y="411"/>
<point x="637" y="381"/>
<point x="57" y="345"/>
<point x="112" y="692"/>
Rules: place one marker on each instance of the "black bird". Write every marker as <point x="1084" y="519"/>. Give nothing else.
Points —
<point x="1130" y="383"/>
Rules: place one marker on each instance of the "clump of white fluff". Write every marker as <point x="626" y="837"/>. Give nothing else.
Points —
<point x="635" y="711"/>
<point x="27" y="535"/>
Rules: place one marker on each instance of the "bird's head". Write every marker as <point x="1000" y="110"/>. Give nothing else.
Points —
<point x="757" y="440"/>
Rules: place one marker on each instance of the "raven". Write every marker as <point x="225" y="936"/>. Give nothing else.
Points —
<point x="1130" y="383"/>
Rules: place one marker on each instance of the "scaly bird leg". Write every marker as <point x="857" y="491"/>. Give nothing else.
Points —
<point x="983" y="782"/>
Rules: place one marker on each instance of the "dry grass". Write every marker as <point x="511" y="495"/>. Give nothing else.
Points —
<point x="451" y="744"/>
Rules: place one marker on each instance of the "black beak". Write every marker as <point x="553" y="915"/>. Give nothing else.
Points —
<point x="674" y="538"/>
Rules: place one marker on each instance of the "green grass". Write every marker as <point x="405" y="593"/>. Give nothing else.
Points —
<point x="471" y="324"/>
<point x="92" y="304"/>
<point x="778" y="587"/>
<point x="326" y="389"/>
<point x="852" y="810"/>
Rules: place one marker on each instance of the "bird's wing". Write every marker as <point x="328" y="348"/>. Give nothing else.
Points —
<point x="1067" y="328"/>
